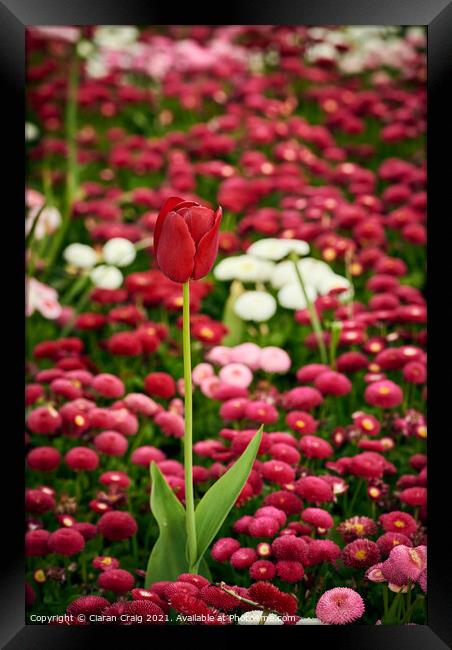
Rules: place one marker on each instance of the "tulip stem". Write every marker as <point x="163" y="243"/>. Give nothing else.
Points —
<point x="315" y="321"/>
<point x="188" y="436"/>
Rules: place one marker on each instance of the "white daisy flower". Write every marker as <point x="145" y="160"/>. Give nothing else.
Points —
<point x="106" y="277"/>
<point x="119" y="252"/>
<point x="80" y="255"/>
<point x="254" y="618"/>
<point x="257" y="306"/>
<point x="276" y="249"/>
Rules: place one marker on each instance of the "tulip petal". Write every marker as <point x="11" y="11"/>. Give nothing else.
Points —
<point x="199" y="221"/>
<point x="169" y="205"/>
<point x="207" y="248"/>
<point x="176" y="249"/>
<point x="166" y="207"/>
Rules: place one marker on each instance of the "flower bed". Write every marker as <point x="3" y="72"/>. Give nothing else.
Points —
<point x="310" y="321"/>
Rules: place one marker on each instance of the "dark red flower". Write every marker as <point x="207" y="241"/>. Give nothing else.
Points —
<point x="36" y="542"/>
<point x="87" y="605"/>
<point x="216" y="597"/>
<point x="117" y="525"/>
<point x="314" y="488"/>
<point x="361" y="554"/>
<point x="387" y="541"/>
<point x="160" y="384"/>
<point x="269" y="596"/>
<point x="262" y="570"/>
<point x="186" y="239"/>
<point x="143" y="612"/>
<point x="243" y="558"/>
<point x="290" y="547"/>
<point x="66" y="541"/>
<point x="44" y="420"/>
<point x="82" y="458"/>
<point x="43" y="459"/>
<point x="224" y="548"/>
<point x="398" y="521"/>
<point x="284" y="500"/>
<point x="38" y="501"/>
<point x="289" y="571"/>
<point x="263" y="527"/>
<point x="116" y="580"/>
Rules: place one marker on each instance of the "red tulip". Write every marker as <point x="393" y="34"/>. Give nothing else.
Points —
<point x="186" y="239"/>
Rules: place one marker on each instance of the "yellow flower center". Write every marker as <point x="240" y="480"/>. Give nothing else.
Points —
<point x="40" y="576"/>
<point x="205" y="331"/>
<point x="414" y="555"/>
<point x="329" y="254"/>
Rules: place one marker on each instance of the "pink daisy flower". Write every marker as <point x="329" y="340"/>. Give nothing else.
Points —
<point x="236" y="374"/>
<point x="339" y="606"/>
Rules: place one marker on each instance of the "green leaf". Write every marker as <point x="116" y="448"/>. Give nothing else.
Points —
<point x="30" y="237"/>
<point x="204" y="570"/>
<point x="167" y="559"/>
<point x="217" y="502"/>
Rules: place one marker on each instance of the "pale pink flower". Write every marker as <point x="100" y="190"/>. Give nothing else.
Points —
<point x="209" y="385"/>
<point x="176" y="406"/>
<point x="236" y="374"/>
<point x="67" y="34"/>
<point x="220" y="355"/>
<point x="49" y="221"/>
<point x="274" y="360"/>
<point x="180" y="385"/>
<point x="42" y="298"/>
<point x="375" y="574"/>
<point x="409" y="561"/>
<point x="171" y="424"/>
<point x="200" y="372"/>
<point x="247" y="353"/>
<point x="33" y="198"/>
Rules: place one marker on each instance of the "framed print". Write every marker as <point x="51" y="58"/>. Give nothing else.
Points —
<point x="226" y="245"/>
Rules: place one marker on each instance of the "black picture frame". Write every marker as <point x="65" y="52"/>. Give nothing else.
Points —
<point x="15" y="15"/>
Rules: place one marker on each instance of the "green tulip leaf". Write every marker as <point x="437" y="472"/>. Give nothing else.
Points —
<point x="217" y="502"/>
<point x="168" y="556"/>
<point x="167" y="559"/>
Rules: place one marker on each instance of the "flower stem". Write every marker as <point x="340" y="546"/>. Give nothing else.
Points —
<point x="315" y="321"/>
<point x="264" y="617"/>
<point x="385" y="600"/>
<point x="188" y="437"/>
<point x="71" y="160"/>
<point x="336" y="327"/>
